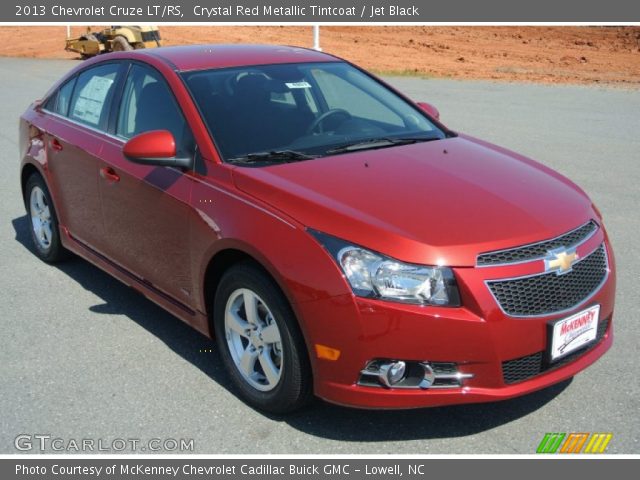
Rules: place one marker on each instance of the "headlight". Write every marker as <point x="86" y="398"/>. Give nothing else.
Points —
<point x="374" y="275"/>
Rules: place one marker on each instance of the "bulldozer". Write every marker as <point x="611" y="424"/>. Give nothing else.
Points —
<point x="117" y="38"/>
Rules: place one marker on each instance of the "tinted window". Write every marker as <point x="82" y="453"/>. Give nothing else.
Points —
<point x="92" y="95"/>
<point x="346" y="93"/>
<point x="307" y="107"/>
<point x="59" y="101"/>
<point x="148" y="104"/>
<point x="64" y="97"/>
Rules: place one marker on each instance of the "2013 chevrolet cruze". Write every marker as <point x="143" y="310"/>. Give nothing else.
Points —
<point x="334" y="237"/>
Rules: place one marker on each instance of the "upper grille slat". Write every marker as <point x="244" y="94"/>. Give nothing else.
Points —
<point x="549" y="293"/>
<point x="538" y="250"/>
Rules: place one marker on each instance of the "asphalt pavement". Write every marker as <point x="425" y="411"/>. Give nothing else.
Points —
<point x="84" y="357"/>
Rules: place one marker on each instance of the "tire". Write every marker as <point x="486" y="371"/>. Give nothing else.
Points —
<point x="276" y="377"/>
<point x="120" y="44"/>
<point x="43" y="221"/>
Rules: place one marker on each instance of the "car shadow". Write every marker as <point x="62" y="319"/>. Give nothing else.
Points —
<point x="319" y="419"/>
<point x="348" y="424"/>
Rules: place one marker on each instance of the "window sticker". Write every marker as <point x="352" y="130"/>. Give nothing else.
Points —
<point x="298" y="85"/>
<point x="91" y="99"/>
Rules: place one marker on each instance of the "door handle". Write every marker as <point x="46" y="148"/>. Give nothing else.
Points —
<point x="56" y="145"/>
<point x="109" y="174"/>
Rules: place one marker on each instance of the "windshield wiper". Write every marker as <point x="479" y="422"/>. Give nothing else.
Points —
<point x="378" y="143"/>
<point x="272" y="157"/>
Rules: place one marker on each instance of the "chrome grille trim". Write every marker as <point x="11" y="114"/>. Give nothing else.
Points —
<point x="538" y="250"/>
<point x="583" y="300"/>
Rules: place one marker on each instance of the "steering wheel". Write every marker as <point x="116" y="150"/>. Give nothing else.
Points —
<point x="231" y="82"/>
<point x="329" y="113"/>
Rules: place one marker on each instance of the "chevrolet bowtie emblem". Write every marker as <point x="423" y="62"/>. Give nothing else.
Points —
<point x="560" y="260"/>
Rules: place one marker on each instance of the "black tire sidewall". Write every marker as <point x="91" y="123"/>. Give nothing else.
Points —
<point x="293" y="389"/>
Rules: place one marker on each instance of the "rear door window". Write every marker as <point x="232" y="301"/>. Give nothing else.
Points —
<point x="92" y="95"/>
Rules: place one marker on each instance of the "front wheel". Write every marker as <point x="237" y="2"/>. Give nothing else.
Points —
<point x="260" y="342"/>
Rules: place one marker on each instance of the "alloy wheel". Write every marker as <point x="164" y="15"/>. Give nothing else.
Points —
<point x="253" y="339"/>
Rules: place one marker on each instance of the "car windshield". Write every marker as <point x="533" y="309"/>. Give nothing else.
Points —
<point x="291" y="112"/>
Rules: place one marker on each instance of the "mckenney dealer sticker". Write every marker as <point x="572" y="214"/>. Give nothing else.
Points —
<point x="574" y="332"/>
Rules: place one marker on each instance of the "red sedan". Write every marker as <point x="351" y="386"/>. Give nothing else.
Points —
<point x="333" y="236"/>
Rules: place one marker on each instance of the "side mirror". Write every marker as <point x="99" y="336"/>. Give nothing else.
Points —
<point x="430" y="109"/>
<point x="157" y="147"/>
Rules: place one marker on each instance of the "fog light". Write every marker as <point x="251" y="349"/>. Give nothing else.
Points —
<point x="392" y="373"/>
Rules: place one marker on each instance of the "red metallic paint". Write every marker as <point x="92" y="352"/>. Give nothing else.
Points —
<point x="76" y="162"/>
<point x="457" y="185"/>
<point x="159" y="229"/>
<point x="154" y="144"/>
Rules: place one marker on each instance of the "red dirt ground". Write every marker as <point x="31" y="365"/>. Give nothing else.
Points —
<point x="582" y="55"/>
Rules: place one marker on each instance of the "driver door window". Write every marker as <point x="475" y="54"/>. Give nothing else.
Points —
<point x="148" y="104"/>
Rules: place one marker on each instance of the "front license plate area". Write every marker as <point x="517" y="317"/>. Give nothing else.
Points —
<point x="572" y="333"/>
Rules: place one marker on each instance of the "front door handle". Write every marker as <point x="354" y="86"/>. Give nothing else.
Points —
<point x="109" y="174"/>
<point x="56" y="145"/>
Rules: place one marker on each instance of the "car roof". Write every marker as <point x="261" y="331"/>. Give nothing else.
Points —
<point x="203" y="57"/>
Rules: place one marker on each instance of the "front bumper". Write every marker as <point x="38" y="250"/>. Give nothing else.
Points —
<point x="478" y="337"/>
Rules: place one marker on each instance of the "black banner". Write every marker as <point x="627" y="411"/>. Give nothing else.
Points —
<point x="350" y="11"/>
<point x="351" y="468"/>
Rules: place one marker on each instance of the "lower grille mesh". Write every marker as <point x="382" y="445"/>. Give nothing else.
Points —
<point x="522" y="368"/>
<point x="527" y="367"/>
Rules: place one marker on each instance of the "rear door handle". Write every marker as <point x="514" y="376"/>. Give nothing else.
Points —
<point x="109" y="174"/>
<point x="56" y="145"/>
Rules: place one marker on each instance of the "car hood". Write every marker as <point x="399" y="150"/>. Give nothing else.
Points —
<point x="439" y="202"/>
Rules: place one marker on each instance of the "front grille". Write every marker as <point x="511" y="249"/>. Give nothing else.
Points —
<point x="522" y="368"/>
<point x="550" y="293"/>
<point x="527" y="367"/>
<point x="537" y="250"/>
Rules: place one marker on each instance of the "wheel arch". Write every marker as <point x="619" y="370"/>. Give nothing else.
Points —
<point x="225" y="258"/>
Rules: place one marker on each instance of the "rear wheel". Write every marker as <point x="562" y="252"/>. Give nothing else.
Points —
<point x="45" y="233"/>
<point x="260" y="342"/>
<point x="120" y="44"/>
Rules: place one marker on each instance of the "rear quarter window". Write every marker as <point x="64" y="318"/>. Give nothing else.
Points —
<point x="60" y="100"/>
